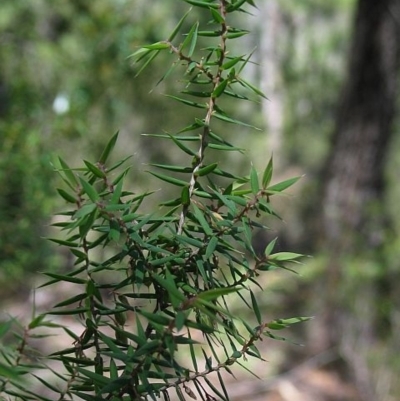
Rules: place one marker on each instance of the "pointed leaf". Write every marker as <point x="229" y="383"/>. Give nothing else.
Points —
<point x="89" y="190"/>
<point x="267" y="174"/>
<point x="254" y="181"/>
<point x="109" y="148"/>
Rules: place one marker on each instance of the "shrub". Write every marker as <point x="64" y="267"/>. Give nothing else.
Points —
<point x="150" y="286"/>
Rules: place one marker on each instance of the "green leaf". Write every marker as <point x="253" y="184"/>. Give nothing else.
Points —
<point x="285" y="256"/>
<point x="188" y="102"/>
<point x="280" y="324"/>
<point x="85" y="210"/>
<point x="206" y="169"/>
<point x="71" y="300"/>
<point x="89" y="190"/>
<point x="169" y="284"/>
<point x="191" y="39"/>
<point x="96" y="378"/>
<point x="185" y="196"/>
<point x="109" y="148"/>
<point x="254" y="181"/>
<point x="67" y="196"/>
<point x="10" y="372"/>
<point x="217" y="17"/>
<point x="267" y="174"/>
<point x="178" y="27"/>
<point x="181" y="146"/>
<point x="211" y="247"/>
<point x="203" y="4"/>
<point x="281" y="186"/>
<point x="5" y="327"/>
<point x="212" y="295"/>
<point x="154" y="54"/>
<point x="201" y="219"/>
<point x="251" y="87"/>
<point x="235" y="5"/>
<point x="157" y="46"/>
<point x="94" y="169"/>
<point x="270" y="247"/>
<point x="171" y="180"/>
<point x="256" y="309"/>
<point x="219" y="90"/>
<point x="233" y="34"/>
<point x="232" y="62"/>
<point x="69" y="279"/>
<point x="230" y="120"/>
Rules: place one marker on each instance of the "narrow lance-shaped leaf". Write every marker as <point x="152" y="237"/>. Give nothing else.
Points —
<point x="219" y="90"/>
<point x="178" y="27"/>
<point x="267" y="174"/>
<point x="94" y="169"/>
<point x="191" y="39"/>
<point x="256" y="309"/>
<point x="109" y="148"/>
<point x="171" y="180"/>
<point x="285" y="256"/>
<point x="70" y="176"/>
<point x="203" y="4"/>
<point x="281" y="186"/>
<point x="66" y="196"/>
<point x="236" y="5"/>
<point x="206" y="169"/>
<point x="185" y="196"/>
<point x="217" y="17"/>
<point x="89" y="190"/>
<point x="232" y="62"/>
<point x="254" y="181"/>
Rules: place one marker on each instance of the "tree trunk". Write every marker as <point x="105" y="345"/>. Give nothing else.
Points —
<point x="351" y="218"/>
<point x="354" y="172"/>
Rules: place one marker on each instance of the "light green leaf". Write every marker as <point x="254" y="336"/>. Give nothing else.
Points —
<point x="285" y="256"/>
<point x="281" y="186"/>
<point x="213" y="294"/>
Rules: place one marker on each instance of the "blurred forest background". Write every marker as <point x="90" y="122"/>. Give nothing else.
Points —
<point x="330" y="70"/>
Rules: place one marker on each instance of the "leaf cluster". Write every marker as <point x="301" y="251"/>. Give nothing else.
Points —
<point x="151" y="284"/>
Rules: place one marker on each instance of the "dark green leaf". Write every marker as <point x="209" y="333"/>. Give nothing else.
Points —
<point x="89" y="190"/>
<point x="178" y="27"/>
<point x="67" y="196"/>
<point x="171" y="180"/>
<point x="185" y="196"/>
<point x="267" y="174"/>
<point x="254" y="181"/>
<point x="108" y="149"/>
<point x="206" y="169"/>
<point x="94" y="169"/>
<point x="255" y="307"/>
<point x="217" y="17"/>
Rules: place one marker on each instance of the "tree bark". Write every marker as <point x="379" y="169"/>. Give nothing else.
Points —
<point x="350" y="213"/>
<point x="353" y="176"/>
